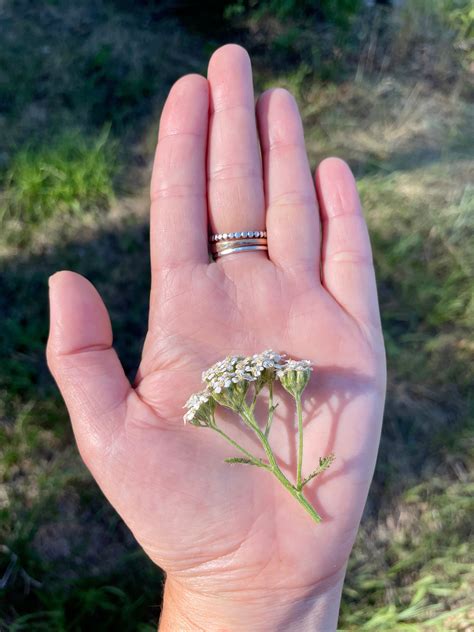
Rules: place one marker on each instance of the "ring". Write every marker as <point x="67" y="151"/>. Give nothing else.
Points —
<point x="247" y="234"/>
<point x="231" y="249"/>
<point x="222" y="244"/>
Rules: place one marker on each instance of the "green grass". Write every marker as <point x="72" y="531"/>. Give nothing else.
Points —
<point x="412" y="567"/>
<point x="72" y="174"/>
<point x="69" y="557"/>
<point x="396" y="104"/>
<point x="419" y="574"/>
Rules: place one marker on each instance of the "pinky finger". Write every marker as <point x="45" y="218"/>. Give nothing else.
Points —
<point x="346" y="258"/>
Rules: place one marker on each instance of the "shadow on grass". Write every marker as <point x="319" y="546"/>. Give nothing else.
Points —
<point x="116" y="260"/>
<point x="63" y="524"/>
<point x="87" y="65"/>
<point x="73" y="562"/>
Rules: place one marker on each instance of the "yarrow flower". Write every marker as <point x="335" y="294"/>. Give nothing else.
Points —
<point x="200" y="409"/>
<point x="227" y="383"/>
<point x="220" y="375"/>
<point x="294" y="376"/>
<point x="264" y="366"/>
<point x="229" y="379"/>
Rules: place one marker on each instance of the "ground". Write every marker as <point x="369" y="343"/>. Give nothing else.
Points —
<point x="80" y="95"/>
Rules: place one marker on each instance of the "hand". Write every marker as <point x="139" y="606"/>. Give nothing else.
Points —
<point x="239" y="552"/>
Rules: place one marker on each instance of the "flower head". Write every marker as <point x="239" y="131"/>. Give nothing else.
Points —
<point x="228" y="380"/>
<point x="200" y="409"/>
<point x="264" y="367"/>
<point x="294" y="376"/>
<point x="267" y="360"/>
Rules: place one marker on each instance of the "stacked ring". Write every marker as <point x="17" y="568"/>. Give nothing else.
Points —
<point x="246" y="234"/>
<point x="226" y="243"/>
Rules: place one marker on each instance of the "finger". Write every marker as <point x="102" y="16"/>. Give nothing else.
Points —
<point x="84" y="364"/>
<point x="346" y="261"/>
<point x="178" y="222"/>
<point x="235" y="187"/>
<point x="292" y="214"/>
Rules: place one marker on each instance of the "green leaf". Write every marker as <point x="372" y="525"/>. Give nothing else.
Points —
<point x="324" y="464"/>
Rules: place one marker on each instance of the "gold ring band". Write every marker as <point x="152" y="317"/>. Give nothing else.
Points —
<point x="222" y="245"/>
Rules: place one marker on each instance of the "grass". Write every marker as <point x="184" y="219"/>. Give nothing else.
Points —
<point x="419" y="574"/>
<point x="72" y="174"/>
<point x="70" y="559"/>
<point x="403" y="118"/>
<point x="412" y="567"/>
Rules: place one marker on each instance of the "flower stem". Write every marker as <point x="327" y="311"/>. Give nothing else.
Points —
<point x="250" y="420"/>
<point x="248" y="417"/>
<point x="299" y="412"/>
<point x="271" y="410"/>
<point x="252" y="458"/>
<point x="254" y="400"/>
<point x="308" y="506"/>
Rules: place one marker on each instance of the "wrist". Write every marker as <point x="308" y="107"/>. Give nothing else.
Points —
<point x="312" y="609"/>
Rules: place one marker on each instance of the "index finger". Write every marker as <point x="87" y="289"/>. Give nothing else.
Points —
<point x="178" y="219"/>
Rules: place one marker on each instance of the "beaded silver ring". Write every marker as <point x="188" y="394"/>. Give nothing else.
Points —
<point x="248" y="234"/>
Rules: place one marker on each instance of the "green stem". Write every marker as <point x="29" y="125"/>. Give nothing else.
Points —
<point x="254" y="459"/>
<point x="271" y="409"/>
<point x="299" y="412"/>
<point x="248" y="417"/>
<point x="308" y="506"/>
<point x="254" y="400"/>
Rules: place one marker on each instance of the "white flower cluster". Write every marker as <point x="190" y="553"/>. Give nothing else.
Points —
<point x="238" y="369"/>
<point x="194" y="404"/>
<point x="294" y="376"/>
<point x="294" y="365"/>
<point x="227" y="381"/>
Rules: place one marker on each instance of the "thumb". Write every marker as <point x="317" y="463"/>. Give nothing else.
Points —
<point x="85" y="366"/>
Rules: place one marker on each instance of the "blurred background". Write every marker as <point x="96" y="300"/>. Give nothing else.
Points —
<point x="386" y="85"/>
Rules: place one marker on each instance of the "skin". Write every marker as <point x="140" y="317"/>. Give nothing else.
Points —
<point x="239" y="552"/>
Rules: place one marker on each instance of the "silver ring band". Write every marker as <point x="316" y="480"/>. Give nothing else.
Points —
<point x="222" y="244"/>
<point x="246" y="234"/>
<point x="229" y="250"/>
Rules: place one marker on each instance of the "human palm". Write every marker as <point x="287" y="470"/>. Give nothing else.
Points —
<point x="217" y="528"/>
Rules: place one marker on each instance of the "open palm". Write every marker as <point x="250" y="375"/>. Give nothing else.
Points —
<point x="216" y="528"/>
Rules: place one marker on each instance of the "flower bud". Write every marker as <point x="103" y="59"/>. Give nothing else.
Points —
<point x="201" y="408"/>
<point x="294" y="376"/>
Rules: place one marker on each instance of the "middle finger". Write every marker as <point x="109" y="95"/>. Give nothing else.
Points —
<point x="235" y="187"/>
